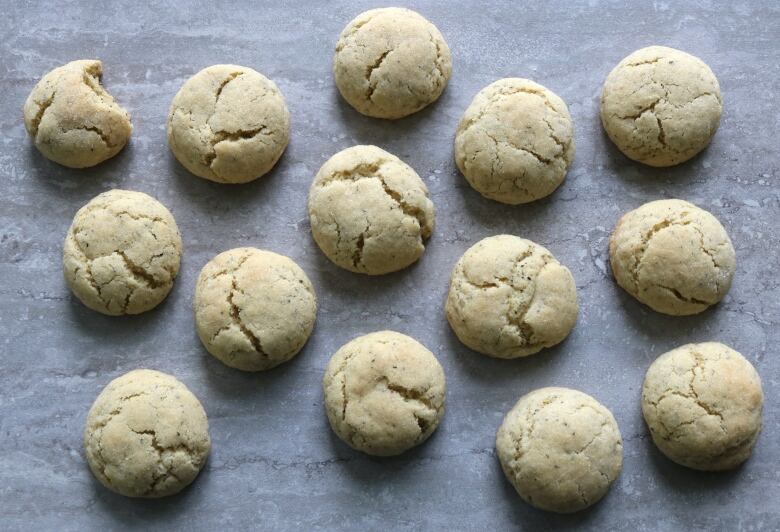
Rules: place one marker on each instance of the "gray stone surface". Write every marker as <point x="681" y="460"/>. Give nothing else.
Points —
<point x="275" y="463"/>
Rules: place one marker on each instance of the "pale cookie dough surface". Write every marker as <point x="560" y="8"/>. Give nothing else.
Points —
<point x="672" y="256"/>
<point x="510" y="298"/>
<point x="515" y="141"/>
<point x="661" y="106"/>
<point x="391" y="62"/>
<point x="229" y="124"/>
<point x="254" y="309"/>
<point x="384" y="393"/>
<point x="560" y="448"/>
<point x="703" y="405"/>
<point x="122" y="253"/>
<point x="72" y="119"/>
<point x="146" y="435"/>
<point x="370" y="211"/>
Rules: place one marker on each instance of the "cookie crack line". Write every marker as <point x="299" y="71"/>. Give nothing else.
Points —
<point x="235" y="312"/>
<point x="539" y="157"/>
<point x="139" y="273"/>
<point x="139" y="217"/>
<point x="160" y="450"/>
<point x="370" y="70"/>
<point x="235" y="315"/>
<point x="224" y="83"/>
<point x="357" y="255"/>
<point x="699" y="364"/>
<point x="94" y="129"/>
<point x="372" y="171"/>
<point x="412" y="395"/>
<point x="92" y="78"/>
<point x="564" y="146"/>
<point x="530" y="423"/>
<point x="209" y="158"/>
<point x="509" y="92"/>
<point x="679" y="296"/>
<point x="42" y="108"/>
<point x="439" y="56"/>
<point x="97" y="433"/>
<point x="232" y="136"/>
<point x="640" y="254"/>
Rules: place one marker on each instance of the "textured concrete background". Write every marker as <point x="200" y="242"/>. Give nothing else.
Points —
<point x="275" y="463"/>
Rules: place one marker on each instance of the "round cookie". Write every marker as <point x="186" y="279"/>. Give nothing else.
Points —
<point x="510" y="298"/>
<point x="661" y="106"/>
<point x="703" y="405"/>
<point x="72" y="119"/>
<point x="391" y="62"/>
<point x="146" y="435"/>
<point x="254" y="309"/>
<point x="229" y="124"/>
<point x="560" y="448"/>
<point x="515" y="141"/>
<point x="370" y="211"/>
<point x="672" y="256"/>
<point x="122" y="253"/>
<point x="384" y="393"/>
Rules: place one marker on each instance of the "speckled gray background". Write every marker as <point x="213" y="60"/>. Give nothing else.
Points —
<point x="275" y="463"/>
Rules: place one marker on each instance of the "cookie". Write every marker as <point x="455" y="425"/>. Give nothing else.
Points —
<point x="369" y="211"/>
<point x="672" y="256"/>
<point x="391" y="62"/>
<point x="72" y="119"/>
<point x="384" y="393"/>
<point x="560" y="448"/>
<point x="146" y="435"/>
<point x="661" y="106"/>
<point x="510" y="298"/>
<point x="122" y="253"/>
<point x="254" y="309"/>
<point x="703" y="405"/>
<point x="229" y="124"/>
<point x="515" y="141"/>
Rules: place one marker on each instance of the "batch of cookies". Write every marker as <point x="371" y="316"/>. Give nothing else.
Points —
<point x="370" y="213"/>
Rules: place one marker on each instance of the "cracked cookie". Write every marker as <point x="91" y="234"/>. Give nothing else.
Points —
<point x="515" y="141"/>
<point x="229" y="124"/>
<point x="560" y="448"/>
<point x="391" y="62"/>
<point x="122" y="253"/>
<point x="384" y="393"/>
<point x="146" y="435"/>
<point x="672" y="256"/>
<point x="72" y="119"/>
<point x="254" y="309"/>
<point x="703" y="405"/>
<point x="510" y="298"/>
<point x="369" y="211"/>
<point x="661" y="106"/>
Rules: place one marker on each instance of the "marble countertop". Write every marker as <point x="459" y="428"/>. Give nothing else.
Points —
<point x="275" y="463"/>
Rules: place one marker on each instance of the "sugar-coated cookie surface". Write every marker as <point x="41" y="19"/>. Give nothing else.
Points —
<point x="384" y="393"/>
<point x="122" y="253"/>
<point x="146" y="435"/>
<point x="72" y="119"/>
<point x="661" y="106"/>
<point x="560" y="448"/>
<point x="510" y="298"/>
<point x="515" y="141"/>
<point x="703" y="405"/>
<point x="369" y="211"/>
<point x="672" y="256"/>
<point x="254" y="309"/>
<point x="391" y="62"/>
<point x="229" y="124"/>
